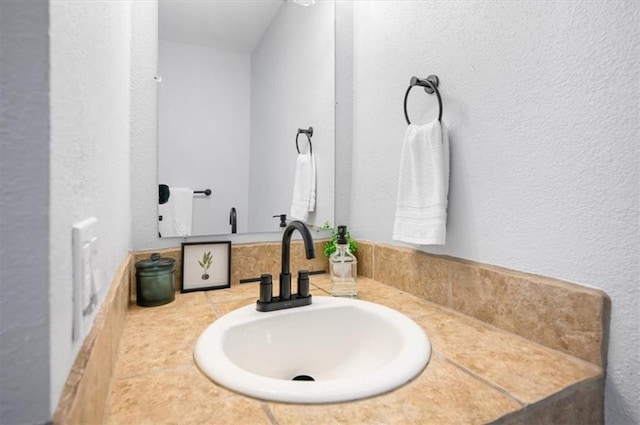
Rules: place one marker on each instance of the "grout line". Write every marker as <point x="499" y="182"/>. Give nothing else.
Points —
<point x="422" y="316"/>
<point x="537" y="344"/>
<point x="181" y="366"/>
<point x="320" y="288"/>
<point x="485" y="381"/>
<point x="267" y="411"/>
<point x="212" y="304"/>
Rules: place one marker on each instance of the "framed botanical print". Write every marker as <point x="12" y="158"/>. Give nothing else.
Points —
<point x="206" y="266"/>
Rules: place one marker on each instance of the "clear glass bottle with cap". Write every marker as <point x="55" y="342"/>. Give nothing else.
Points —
<point x="343" y="266"/>
<point x="155" y="281"/>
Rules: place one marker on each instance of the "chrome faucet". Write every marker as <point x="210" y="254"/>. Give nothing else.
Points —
<point x="267" y="302"/>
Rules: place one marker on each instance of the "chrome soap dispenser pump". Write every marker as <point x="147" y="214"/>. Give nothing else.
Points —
<point x="343" y="267"/>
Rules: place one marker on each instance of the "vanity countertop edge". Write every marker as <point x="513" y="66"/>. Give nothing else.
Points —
<point x="477" y="373"/>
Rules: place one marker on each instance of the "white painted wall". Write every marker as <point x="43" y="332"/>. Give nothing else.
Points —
<point x="344" y="110"/>
<point x="144" y="138"/>
<point x="144" y="121"/>
<point x="144" y="146"/>
<point x="66" y="119"/>
<point x="89" y="149"/>
<point x="541" y="99"/>
<point x="292" y="89"/>
<point x="24" y="213"/>
<point x="204" y="130"/>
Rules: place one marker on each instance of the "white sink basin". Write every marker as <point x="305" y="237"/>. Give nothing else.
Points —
<point x="351" y="348"/>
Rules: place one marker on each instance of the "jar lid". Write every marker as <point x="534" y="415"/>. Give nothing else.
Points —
<point x="155" y="262"/>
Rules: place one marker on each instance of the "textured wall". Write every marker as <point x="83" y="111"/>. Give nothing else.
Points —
<point x="24" y="206"/>
<point x="541" y="99"/>
<point x="344" y="110"/>
<point x="90" y="164"/>
<point x="144" y="126"/>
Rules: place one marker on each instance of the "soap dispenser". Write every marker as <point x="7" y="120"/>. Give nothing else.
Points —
<point x="343" y="266"/>
<point x="283" y="221"/>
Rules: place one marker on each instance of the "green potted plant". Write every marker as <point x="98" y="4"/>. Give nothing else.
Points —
<point x="330" y="245"/>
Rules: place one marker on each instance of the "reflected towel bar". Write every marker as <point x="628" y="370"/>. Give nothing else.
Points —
<point x="309" y="134"/>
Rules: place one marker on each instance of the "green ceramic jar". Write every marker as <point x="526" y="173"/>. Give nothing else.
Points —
<point x="155" y="281"/>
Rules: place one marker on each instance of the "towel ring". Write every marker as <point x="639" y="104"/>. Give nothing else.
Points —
<point x="309" y="134"/>
<point x="430" y="85"/>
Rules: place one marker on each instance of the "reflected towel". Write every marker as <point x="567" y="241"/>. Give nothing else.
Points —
<point x="177" y="214"/>
<point x="304" y="187"/>
<point x="423" y="186"/>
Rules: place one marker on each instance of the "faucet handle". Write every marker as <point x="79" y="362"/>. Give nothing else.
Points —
<point x="303" y="283"/>
<point x="266" y="288"/>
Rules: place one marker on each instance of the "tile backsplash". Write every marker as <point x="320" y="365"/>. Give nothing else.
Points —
<point x="557" y="314"/>
<point x="251" y="260"/>
<point x="87" y="386"/>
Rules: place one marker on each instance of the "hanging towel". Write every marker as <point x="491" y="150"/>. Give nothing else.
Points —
<point x="312" y="197"/>
<point x="304" y="187"/>
<point x="423" y="186"/>
<point x="177" y="213"/>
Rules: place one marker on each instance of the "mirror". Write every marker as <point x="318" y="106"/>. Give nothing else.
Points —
<point x="237" y="80"/>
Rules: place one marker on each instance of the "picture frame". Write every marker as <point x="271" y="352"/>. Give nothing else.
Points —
<point x="206" y="266"/>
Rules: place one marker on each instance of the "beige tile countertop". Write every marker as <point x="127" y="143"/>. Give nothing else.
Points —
<point x="477" y="373"/>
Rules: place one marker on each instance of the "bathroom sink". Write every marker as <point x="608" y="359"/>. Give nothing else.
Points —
<point x="336" y="349"/>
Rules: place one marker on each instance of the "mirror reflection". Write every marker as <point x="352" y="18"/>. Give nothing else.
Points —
<point x="246" y="111"/>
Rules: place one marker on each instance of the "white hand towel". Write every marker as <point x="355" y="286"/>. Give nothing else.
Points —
<point x="303" y="187"/>
<point x="312" y="196"/>
<point x="177" y="213"/>
<point x="423" y="186"/>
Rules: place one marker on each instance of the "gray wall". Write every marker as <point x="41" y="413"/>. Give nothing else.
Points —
<point x="541" y="100"/>
<point x="90" y="174"/>
<point x="292" y="70"/>
<point x="24" y="207"/>
<point x="203" y="136"/>
<point x="344" y="110"/>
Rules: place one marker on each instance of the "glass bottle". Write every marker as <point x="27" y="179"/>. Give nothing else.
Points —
<point x="343" y="266"/>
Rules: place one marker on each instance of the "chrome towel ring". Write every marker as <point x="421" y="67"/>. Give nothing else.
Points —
<point x="430" y="85"/>
<point x="309" y="134"/>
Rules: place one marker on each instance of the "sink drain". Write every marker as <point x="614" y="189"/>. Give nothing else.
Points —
<point x="303" y="378"/>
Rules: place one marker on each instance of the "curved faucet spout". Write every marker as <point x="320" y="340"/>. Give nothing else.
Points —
<point x="285" y="275"/>
<point x="286" y="243"/>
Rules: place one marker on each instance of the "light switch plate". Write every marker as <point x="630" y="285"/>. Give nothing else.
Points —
<point x="83" y="236"/>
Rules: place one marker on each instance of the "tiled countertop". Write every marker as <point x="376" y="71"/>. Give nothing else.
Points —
<point x="477" y="374"/>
